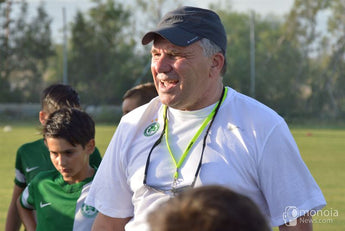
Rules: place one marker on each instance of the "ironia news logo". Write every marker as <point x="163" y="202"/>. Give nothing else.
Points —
<point x="291" y="214"/>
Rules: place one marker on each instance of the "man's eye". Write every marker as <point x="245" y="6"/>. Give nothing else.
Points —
<point x="155" y="55"/>
<point x="173" y="56"/>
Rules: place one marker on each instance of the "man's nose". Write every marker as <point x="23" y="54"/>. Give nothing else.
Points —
<point x="162" y="64"/>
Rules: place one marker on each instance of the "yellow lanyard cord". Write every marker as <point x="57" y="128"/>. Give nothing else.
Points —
<point x="196" y="136"/>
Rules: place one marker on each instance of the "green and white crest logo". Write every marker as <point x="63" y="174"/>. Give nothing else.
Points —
<point x="151" y="129"/>
<point x="88" y="211"/>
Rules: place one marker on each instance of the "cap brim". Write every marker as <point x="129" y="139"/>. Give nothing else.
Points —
<point x="175" y="35"/>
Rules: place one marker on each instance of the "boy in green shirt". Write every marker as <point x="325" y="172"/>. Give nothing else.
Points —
<point x="33" y="157"/>
<point x="58" y="196"/>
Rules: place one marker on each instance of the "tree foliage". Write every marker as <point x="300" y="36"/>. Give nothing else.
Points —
<point x="25" y="52"/>
<point x="323" y="54"/>
<point x="277" y="75"/>
<point x="102" y="63"/>
<point x="299" y="69"/>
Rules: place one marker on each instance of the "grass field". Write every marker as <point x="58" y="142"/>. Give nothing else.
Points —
<point x="323" y="150"/>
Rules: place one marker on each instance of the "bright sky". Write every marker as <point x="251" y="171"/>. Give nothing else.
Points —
<point x="54" y="9"/>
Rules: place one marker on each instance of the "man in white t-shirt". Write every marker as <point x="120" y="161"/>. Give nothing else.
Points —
<point x="198" y="132"/>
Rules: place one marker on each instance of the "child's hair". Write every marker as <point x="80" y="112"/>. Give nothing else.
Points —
<point x="71" y="124"/>
<point x="208" y="208"/>
<point x="144" y="92"/>
<point x="58" y="96"/>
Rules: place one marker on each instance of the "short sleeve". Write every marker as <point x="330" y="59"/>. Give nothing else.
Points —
<point x="110" y="193"/>
<point x="285" y="179"/>
<point x="19" y="179"/>
<point x="26" y="198"/>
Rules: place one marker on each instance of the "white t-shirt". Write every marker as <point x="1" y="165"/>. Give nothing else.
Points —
<point x="249" y="149"/>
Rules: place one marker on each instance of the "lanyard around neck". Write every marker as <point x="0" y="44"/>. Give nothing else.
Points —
<point x="196" y="135"/>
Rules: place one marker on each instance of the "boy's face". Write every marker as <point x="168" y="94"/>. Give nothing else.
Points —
<point x="71" y="161"/>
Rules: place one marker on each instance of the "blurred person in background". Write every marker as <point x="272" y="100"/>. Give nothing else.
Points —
<point x="137" y="96"/>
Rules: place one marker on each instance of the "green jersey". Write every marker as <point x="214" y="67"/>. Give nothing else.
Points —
<point x="34" y="157"/>
<point x="59" y="205"/>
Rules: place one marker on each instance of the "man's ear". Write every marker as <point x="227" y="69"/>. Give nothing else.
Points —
<point x="217" y="63"/>
<point x="90" y="146"/>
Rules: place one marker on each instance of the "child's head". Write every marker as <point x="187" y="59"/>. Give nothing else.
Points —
<point x="208" y="208"/>
<point x="137" y="96"/>
<point x="55" y="97"/>
<point x="71" y="124"/>
<point x="69" y="134"/>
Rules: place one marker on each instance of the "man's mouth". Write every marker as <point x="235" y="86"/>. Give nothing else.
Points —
<point x="168" y="83"/>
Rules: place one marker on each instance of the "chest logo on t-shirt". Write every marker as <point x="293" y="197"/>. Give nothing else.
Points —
<point x="151" y="129"/>
<point x="42" y="204"/>
<point x="88" y="211"/>
<point x="31" y="169"/>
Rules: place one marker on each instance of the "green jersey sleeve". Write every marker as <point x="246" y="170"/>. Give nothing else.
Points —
<point x="32" y="158"/>
<point x="19" y="179"/>
<point x="26" y="198"/>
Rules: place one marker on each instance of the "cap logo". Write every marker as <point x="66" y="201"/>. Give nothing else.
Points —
<point x="192" y="40"/>
<point x="174" y="19"/>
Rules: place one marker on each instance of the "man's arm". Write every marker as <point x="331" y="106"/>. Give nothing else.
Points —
<point x="105" y="223"/>
<point x="304" y="223"/>
<point x="27" y="217"/>
<point x="13" y="221"/>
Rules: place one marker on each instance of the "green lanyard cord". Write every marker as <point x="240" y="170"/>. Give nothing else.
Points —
<point x="195" y="137"/>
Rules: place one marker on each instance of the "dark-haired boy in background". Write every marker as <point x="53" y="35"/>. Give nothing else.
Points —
<point x="58" y="196"/>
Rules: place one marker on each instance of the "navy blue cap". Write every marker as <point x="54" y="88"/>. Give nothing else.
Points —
<point x="186" y="25"/>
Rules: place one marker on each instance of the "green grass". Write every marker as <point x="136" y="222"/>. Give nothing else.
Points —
<point x="323" y="150"/>
<point x="324" y="153"/>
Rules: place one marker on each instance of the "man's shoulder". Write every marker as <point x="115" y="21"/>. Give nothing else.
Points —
<point x="245" y="103"/>
<point x="150" y="108"/>
<point x="138" y="126"/>
<point x="248" y="113"/>
<point x="142" y="114"/>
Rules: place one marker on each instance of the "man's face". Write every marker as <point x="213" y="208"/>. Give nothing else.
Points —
<point x="71" y="161"/>
<point x="181" y="74"/>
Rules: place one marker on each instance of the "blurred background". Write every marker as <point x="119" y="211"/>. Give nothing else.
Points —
<point x="288" y="54"/>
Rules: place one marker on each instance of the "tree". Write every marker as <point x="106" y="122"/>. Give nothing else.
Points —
<point x="336" y="64"/>
<point x="324" y="67"/>
<point x="5" y="92"/>
<point x="25" y="56"/>
<point x="277" y="61"/>
<point x="102" y="63"/>
<point x="146" y="16"/>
